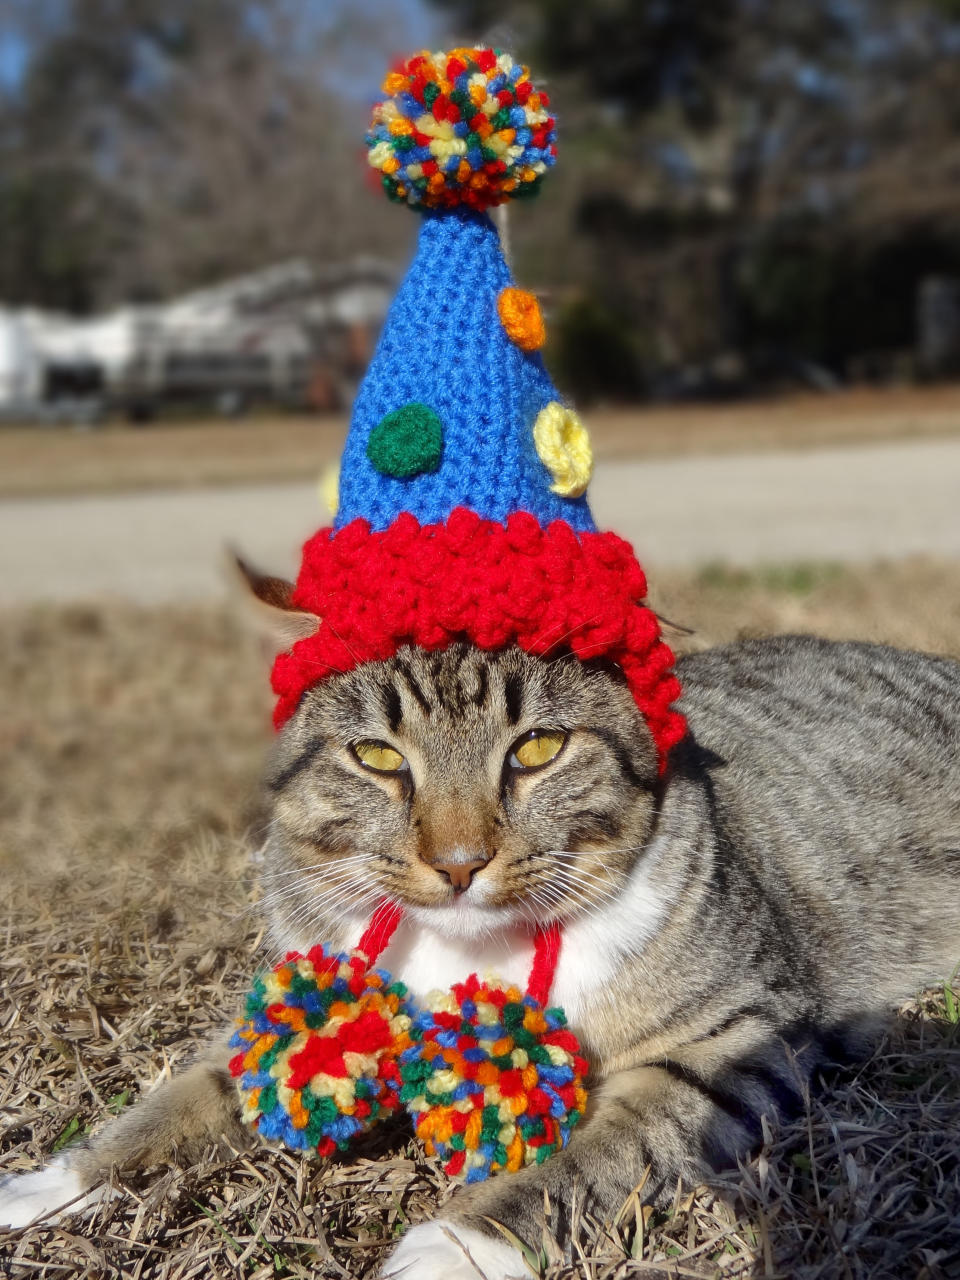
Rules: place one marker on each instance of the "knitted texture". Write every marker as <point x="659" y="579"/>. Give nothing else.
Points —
<point x="317" y="1049"/>
<point x="443" y="345"/>
<point x="492" y="1080"/>
<point x="461" y="128"/>
<point x="544" y="589"/>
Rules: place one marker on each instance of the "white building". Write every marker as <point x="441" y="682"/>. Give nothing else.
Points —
<point x="288" y="334"/>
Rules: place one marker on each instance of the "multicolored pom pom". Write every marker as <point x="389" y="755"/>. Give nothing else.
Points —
<point x="318" y="1049"/>
<point x="461" y="128"/>
<point x="491" y="1078"/>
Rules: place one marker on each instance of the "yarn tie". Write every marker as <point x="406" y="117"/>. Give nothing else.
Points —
<point x="383" y="924"/>
<point x="546" y="954"/>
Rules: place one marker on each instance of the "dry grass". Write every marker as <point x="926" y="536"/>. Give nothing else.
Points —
<point x="182" y="454"/>
<point x="133" y="739"/>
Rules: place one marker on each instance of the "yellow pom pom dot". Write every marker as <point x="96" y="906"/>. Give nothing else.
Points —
<point x="563" y="446"/>
<point x="522" y="319"/>
<point x="329" y="487"/>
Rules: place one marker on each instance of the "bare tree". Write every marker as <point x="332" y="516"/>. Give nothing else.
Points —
<point x="192" y="140"/>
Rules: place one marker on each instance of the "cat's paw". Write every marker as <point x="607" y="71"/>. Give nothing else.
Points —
<point x="33" y="1197"/>
<point x="444" y="1250"/>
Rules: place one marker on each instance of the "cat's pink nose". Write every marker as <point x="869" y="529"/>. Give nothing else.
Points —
<point x="459" y="873"/>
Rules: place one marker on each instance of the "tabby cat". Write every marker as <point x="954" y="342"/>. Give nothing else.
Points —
<point x="727" y="926"/>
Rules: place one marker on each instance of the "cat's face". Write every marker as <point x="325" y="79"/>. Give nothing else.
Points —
<point x="475" y="789"/>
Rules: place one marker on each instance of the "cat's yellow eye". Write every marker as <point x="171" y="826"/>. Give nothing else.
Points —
<point x="536" y="748"/>
<point x="379" y="756"/>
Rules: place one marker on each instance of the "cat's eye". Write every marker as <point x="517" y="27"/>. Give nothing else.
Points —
<point x="379" y="756"/>
<point x="536" y="748"/>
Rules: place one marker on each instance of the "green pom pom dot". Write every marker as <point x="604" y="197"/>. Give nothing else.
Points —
<point x="407" y="442"/>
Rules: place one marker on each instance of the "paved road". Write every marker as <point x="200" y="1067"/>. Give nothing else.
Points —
<point x="843" y="504"/>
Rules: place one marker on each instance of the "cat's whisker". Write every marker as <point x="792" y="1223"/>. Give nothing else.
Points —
<point x="321" y="888"/>
<point x="319" y="880"/>
<point x="292" y="872"/>
<point x="308" y="877"/>
<point x="330" y="872"/>
<point x="538" y="897"/>
<point x="345" y="904"/>
<point x="352" y="898"/>
<point x="574" y="904"/>
<point x="332" y="862"/>
<point x="572" y="872"/>
<point x="578" y="854"/>
<point x="311" y="895"/>
<point x="572" y="897"/>
<point x="567" y="891"/>
<point x="580" y="879"/>
<point x="596" y="871"/>
<point x="322" y="892"/>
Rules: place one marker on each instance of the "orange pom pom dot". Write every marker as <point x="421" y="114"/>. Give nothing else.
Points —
<point x="521" y="318"/>
<point x="491" y="1079"/>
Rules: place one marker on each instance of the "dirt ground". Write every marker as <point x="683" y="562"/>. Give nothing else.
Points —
<point x="132" y="740"/>
<point x="60" y="460"/>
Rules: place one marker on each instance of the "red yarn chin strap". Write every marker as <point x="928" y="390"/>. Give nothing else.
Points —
<point x="546" y="953"/>
<point x="546" y="947"/>
<point x="383" y="923"/>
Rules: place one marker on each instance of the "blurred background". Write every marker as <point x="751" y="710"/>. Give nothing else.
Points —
<point x="752" y="196"/>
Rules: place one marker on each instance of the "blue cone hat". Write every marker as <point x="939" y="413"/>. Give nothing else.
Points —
<point x="448" y="377"/>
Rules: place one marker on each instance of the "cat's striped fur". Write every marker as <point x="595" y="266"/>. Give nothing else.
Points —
<point x="727" y="927"/>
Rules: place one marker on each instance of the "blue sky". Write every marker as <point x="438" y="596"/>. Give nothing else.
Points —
<point x="404" y="25"/>
<point x="13" y="59"/>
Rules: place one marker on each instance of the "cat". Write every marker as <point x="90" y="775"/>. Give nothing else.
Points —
<point x="727" y="926"/>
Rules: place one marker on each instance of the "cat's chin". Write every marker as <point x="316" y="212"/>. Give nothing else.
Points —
<point x="463" y="919"/>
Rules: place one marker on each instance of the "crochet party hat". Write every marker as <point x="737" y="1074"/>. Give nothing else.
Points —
<point x="462" y="497"/>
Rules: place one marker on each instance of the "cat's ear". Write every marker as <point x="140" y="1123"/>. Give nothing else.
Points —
<point x="266" y="600"/>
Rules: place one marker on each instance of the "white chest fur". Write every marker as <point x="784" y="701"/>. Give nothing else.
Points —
<point x="427" y="960"/>
<point x="432" y="950"/>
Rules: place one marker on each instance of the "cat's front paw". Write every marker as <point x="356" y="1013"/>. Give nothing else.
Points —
<point x="445" y="1250"/>
<point x="48" y="1193"/>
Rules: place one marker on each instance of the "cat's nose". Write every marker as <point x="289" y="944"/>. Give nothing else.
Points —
<point x="459" y="873"/>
